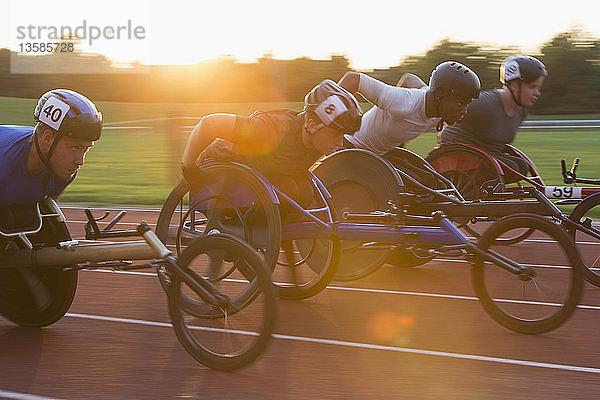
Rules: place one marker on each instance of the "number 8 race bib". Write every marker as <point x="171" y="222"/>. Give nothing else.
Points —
<point x="53" y="113"/>
<point x="330" y="108"/>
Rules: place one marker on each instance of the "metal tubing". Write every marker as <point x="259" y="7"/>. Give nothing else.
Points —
<point x="498" y="259"/>
<point x="78" y="254"/>
<point x="156" y="244"/>
<point x="494" y="209"/>
<point x="424" y="235"/>
<point x="444" y="234"/>
<point x="554" y="211"/>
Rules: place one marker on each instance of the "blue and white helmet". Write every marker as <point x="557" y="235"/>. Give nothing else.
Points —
<point x="522" y="67"/>
<point x="70" y="114"/>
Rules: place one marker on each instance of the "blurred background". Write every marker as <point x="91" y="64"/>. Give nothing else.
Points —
<point x="151" y="106"/>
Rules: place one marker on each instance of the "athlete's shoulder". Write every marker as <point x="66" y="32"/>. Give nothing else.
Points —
<point x="279" y="119"/>
<point x="12" y="140"/>
<point x="488" y="97"/>
<point x="488" y="101"/>
<point x="262" y="130"/>
<point x="282" y="113"/>
<point x="409" y="100"/>
<point x="12" y="147"/>
<point x="13" y="133"/>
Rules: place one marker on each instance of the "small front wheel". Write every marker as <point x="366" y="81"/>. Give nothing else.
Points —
<point x="544" y="295"/>
<point x="232" y="332"/>
<point x="586" y="213"/>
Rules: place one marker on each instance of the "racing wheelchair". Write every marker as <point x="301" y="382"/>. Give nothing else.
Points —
<point x="370" y="186"/>
<point x="302" y="245"/>
<point x="230" y="325"/>
<point x="478" y="175"/>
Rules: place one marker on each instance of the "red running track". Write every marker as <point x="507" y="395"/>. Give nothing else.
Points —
<point x="414" y="333"/>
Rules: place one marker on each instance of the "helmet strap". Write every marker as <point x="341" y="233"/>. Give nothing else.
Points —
<point x="515" y="98"/>
<point x="440" y="125"/>
<point x="437" y="113"/>
<point x="45" y="157"/>
<point x="315" y="128"/>
<point x="431" y="105"/>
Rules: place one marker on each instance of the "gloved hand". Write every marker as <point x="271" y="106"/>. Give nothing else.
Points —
<point x="192" y="174"/>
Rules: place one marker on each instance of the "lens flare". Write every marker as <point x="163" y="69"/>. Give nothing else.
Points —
<point x="389" y="326"/>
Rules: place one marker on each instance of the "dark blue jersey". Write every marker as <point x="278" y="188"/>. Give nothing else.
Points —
<point x="486" y="124"/>
<point x="17" y="185"/>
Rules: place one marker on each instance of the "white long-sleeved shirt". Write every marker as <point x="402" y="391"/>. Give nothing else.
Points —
<point x="398" y="116"/>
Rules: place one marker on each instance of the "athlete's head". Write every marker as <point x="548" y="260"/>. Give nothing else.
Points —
<point x="330" y="112"/>
<point x="68" y="124"/>
<point x="453" y="86"/>
<point x="523" y="76"/>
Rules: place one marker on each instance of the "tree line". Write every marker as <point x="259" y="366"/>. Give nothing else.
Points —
<point x="572" y="59"/>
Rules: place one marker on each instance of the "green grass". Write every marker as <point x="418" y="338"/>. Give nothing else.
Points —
<point x="140" y="168"/>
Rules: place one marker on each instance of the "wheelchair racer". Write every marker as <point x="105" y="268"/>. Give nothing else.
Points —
<point x="282" y="144"/>
<point x="492" y="120"/>
<point x="411" y="108"/>
<point x="41" y="161"/>
<point x="401" y="113"/>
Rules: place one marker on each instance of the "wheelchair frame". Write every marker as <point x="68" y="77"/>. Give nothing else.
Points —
<point x="103" y="255"/>
<point x="396" y="228"/>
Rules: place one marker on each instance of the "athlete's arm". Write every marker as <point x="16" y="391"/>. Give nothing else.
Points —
<point x="5" y="170"/>
<point x="208" y="129"/>
<point x="396" y="100"/>
<point x="350" y="81"/>
<point x="409" y="80"/>
<point x="59" y="190"/>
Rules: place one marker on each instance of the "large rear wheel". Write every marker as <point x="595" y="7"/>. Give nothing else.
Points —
<point x="38" y="296"/>
<point x="472" y="173"/>
<point x="359" y="182"/>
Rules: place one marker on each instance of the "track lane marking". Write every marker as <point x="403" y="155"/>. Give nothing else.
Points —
<point x="367" y="346"/>
<point x="366" y="290"/>
<point x="23" y="396"/>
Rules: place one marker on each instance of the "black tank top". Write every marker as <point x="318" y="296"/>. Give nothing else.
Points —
<point x="271" y="141"/>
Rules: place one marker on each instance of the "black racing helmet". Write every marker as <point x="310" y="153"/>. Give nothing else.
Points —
<point x="526" y="68"/>
<point x="334" y="106"/>
<point x="70" y="114"/>
<point x="456" y="78"/>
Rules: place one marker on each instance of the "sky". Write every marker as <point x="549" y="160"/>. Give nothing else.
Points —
<point x="373" y="34"/>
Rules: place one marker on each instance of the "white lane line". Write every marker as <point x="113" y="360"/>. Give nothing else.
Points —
<point x="123" y="320"/>
<point x="100" y="224"/>
<point x="23" y="396"/>
<point x="377" y="291"/>
<point x="528" y="265"/>
<point x="449" y="296"/>
<point x="110" y="271"/>
<point x="445" y="354"/>
<point x="471" y="238"/>
<point x="110" y="208"/>
<point x="368" y="346"/>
